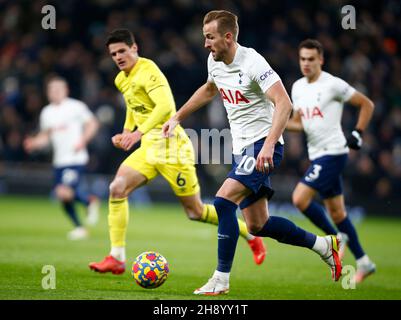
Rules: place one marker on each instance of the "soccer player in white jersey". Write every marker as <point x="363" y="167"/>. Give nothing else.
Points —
<point x="318" y="100"/>
<point x="258" y="109"/>
<point x="68" y="125"/>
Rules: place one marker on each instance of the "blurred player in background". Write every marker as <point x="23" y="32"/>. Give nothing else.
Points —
<point x="68" y="125"/>
<point x="258" y="109"/>
<point x="149" y="102"/>
<point x="319" y="99"/>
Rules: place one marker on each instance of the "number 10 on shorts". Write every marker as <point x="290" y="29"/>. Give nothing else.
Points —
<point x="246" y="166"/>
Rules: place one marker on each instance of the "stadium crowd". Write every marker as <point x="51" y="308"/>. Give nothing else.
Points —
<point x="169" y="33"/>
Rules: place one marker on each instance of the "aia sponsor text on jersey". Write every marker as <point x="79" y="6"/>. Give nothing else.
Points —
<point x="310" y="113"/>
<point x="233" y="97"/>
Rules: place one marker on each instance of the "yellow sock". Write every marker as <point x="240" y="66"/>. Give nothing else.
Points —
<point x="209" y="215"/>
<point x="118" y="221"/>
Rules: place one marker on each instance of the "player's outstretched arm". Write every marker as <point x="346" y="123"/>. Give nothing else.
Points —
<point x="283" y="107"/>
<point x="201" y="97"/>
<point x="366" y="107"/>
<point x="295" y="122"/>
<point x="37" y="142"/>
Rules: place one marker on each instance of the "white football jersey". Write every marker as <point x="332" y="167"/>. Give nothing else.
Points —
<point x="66" y="123"/>
<point x="242" y="86"/>
<point x="320" y="105"/>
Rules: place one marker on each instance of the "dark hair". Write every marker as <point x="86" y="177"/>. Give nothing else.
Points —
<point x="226" y="21"/>
<point x="311" y="44"/>
<point x="120" y="35"/>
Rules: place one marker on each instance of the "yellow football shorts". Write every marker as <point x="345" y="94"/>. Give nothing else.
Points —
<point x="173" y="158"/>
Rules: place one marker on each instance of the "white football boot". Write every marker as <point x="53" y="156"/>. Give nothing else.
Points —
<point x="79" y="233"/>
<point x="332" y="258"/>
<point x="215" y="286"/>
<point x="93" y="212"/>
<point x="343" y="244"/>
<point x="364" y="270"/>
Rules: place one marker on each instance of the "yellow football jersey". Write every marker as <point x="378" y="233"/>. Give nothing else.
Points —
<point x="148" y="99"/>
<point x="150" y="104"/>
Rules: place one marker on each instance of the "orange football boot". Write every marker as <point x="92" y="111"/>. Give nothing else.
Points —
<point x="109" y="264"/>
<point x="258" y="249"/>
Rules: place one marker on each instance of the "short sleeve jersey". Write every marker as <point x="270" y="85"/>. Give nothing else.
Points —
<point x="320" y="105"/>
<point x="242" y="86"/>
<point x="66" y="123"/>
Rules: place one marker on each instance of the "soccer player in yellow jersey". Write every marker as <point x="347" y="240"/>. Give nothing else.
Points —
<point x="150" y="103"/>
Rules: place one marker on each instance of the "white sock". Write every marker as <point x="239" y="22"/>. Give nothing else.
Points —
<point x="118" y="253"/>
<point x="363" y="260"/>
<point x="321" y="246"/>
<point x="250" y="236"/>
<point x="222" y="275"/>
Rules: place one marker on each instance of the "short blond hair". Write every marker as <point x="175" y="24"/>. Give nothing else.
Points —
<point x="226" y="21"/>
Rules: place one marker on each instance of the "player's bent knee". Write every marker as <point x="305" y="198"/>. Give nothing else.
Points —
<point x="118" y="188"/>
<point x="64" y="193"/>
<point x="338" y="215"/>
<point x="300" y="202"/>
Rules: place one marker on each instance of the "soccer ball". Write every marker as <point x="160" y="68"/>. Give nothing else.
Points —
<point x="150" y="270"/>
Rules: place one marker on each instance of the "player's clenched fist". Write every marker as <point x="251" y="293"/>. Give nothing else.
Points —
<point x="126" y="140"/>
<point x="116" y="140"/>
<point x="354" y="141"/>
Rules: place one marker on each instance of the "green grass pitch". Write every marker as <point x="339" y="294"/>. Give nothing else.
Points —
<point x="33" y="234"/>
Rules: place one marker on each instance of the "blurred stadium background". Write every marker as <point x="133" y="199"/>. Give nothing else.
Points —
<point x="169" y="32"/>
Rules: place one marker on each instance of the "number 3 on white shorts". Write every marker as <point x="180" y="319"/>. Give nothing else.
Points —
<point x="314" y="174"/>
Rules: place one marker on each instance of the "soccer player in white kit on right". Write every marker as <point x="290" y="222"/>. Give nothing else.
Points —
<point x="68" y="125"/>
<point x="258" y="108"/>
<point x="318" y="100"/>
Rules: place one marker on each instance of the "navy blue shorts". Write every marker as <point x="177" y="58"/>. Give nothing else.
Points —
<point x="324" y="175"/>
<point x="243" y="170"/>
<point x="68" y="176"/>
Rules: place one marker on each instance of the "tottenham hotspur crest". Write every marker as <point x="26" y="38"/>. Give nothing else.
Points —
<point x="240" y="76"/>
